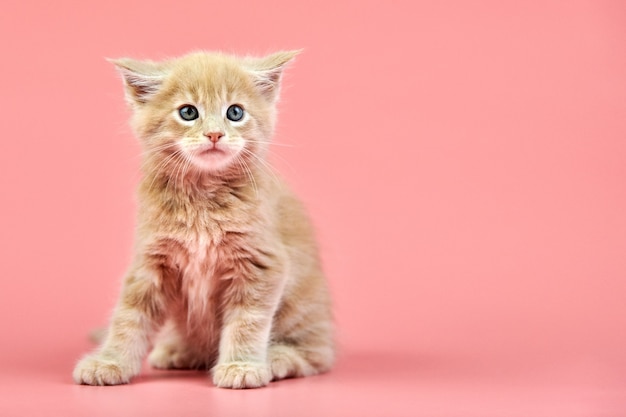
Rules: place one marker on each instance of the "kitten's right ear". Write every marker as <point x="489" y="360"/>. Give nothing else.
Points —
<point x="142" y="79"/>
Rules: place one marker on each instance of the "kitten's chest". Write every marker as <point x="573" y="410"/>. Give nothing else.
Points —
<point x="202" y="266"/>
<point x="202" y="240"/>
<point x="206" y="257"/>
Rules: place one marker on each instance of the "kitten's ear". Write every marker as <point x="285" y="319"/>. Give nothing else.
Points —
<point x="267" y="72"/>
<point x="142" y="79"/>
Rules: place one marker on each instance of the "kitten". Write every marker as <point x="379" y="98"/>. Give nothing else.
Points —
<point x="226" y="274"/>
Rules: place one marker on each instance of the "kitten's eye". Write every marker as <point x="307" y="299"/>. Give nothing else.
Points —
<point x="234" y="113"/>
<point x="188" y="112"/>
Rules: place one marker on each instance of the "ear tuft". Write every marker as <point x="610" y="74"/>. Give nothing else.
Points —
<point x="142" y="79"/>
<point x="267" y="72"/>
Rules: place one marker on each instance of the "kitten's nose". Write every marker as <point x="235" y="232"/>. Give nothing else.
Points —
<point x="214" y="136"/>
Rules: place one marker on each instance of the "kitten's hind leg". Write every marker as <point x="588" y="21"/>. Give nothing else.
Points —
<point x="170" y="350"/>
<point x="170" y="356"/>
<point x="292" y="361"/>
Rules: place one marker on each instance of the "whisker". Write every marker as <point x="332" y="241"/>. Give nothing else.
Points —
<point x="148" y="155"/>
<point x="187" y="167"/>
<point x="179" y="172"/>
<point x="282" y="159"/>
<point x="162" y="165"/>
<point x="145" y="155"/>
<point x="173" y="178"/>
<point x="270" y="143"/>
<point x="263" y="164"/>
<point x="250" y="175"/>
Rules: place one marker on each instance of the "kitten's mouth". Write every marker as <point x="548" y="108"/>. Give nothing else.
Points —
<point x="210" y="150"/>
<point x="212" y="156"/>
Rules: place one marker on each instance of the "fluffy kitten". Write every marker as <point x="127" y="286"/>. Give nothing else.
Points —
<point x="226" y="274"/>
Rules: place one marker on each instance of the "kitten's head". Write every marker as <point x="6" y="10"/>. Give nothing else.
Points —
<point x="206" y="112"/>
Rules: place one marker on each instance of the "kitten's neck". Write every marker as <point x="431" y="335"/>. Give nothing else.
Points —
<point x="202" y="185"/>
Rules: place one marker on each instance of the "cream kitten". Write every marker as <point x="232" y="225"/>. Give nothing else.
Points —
<point x="226" y="274"/>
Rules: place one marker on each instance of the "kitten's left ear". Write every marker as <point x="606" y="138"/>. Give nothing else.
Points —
<point x="142" y="79"/>
<point x="267" y="72"/>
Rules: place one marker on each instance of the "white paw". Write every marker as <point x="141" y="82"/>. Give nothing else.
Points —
<point x="241" y="375"/>
<point x="96" y="370"/>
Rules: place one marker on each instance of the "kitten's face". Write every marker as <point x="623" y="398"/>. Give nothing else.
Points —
<point x="213" y="136"/>
<point x="209" y="113"/>
<point x="206" y="112"/>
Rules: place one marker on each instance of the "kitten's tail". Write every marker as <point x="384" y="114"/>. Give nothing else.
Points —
<point x="98" y="335"/>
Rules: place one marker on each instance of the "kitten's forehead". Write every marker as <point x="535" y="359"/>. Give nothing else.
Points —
<point x="210" y="78"/>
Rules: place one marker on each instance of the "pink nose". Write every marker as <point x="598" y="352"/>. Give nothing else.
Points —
<point x="214" y="136"/>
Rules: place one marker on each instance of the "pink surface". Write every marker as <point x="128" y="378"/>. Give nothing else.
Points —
<point x="465" y="163"/>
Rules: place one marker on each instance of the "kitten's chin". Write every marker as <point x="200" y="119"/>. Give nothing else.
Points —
<point x="213" y="159"/>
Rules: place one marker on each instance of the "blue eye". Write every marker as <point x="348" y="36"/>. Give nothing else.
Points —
<point x="235" y="113"/>
<point x="188" y="112"/>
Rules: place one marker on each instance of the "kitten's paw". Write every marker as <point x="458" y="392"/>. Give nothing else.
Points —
<point x="169" y="357"/>
<point x="96" y="370"/>
<point x="287" y="362"/>
<point x="241" y="375"/>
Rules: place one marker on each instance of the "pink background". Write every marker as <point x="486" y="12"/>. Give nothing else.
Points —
<point x="464" y="162"/>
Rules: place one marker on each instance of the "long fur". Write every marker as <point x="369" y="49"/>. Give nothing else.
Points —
<point x="226" y="274"/>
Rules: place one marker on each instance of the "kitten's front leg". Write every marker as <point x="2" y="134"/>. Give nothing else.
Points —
<point x="139" y="311"/>
<point x="248" y="310"/>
